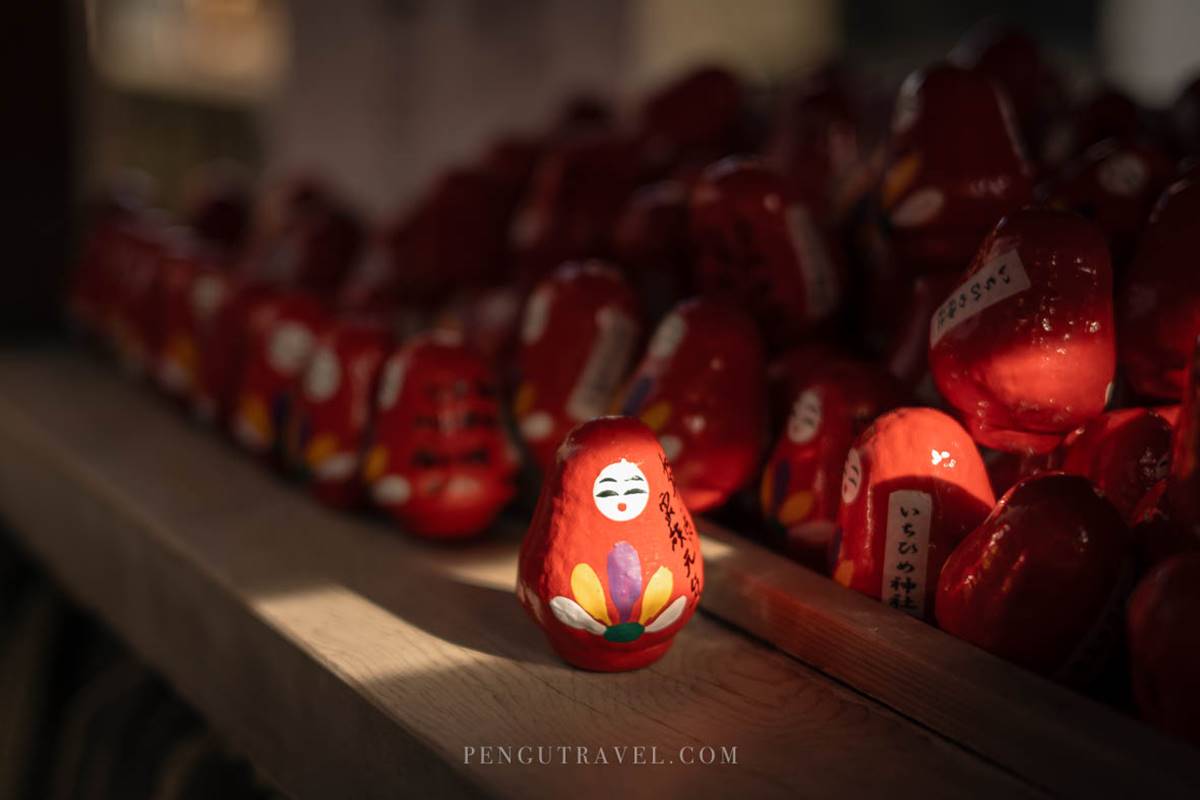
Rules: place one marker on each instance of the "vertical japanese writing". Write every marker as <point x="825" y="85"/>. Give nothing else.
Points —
<point x="906" y="551"/>
<point x="679" y="530"/>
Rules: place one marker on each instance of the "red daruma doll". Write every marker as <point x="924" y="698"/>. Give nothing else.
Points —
<point x="577" y="340"/>
<point x="331" y="409"/>
<point x="702" y="389"/>
<point x="440" y="461"/>
<point x="913" y="487"/>
<point x="1024" y="348"/>
<point x="610" y="568"/>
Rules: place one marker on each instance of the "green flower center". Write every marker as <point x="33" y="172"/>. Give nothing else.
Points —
<point x="624" y="632"/>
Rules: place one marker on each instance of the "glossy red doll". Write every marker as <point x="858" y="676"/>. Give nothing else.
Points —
<point x="696" y="119"/>
<point x="331" y="409"/>
<point x="1159" y="300"/>
<point x="440" y="461"/>
<point x="913" y="486"/>
<point x="652" y="244"/>
<point x="281" y="329"/>
<point x="578" y="337"/>
<point x="956" y="164"/>
<point x="1164" y="646"/>
<point x="756" y="245"/>
<point x="800" y="490"/>
<point x="573" y="203"/>
<point x="191" y="290"/>
<point x="225" y="301"/>
<point x="701" y="389"/>
<point x="610" y="568"/>
<point x="1042" y="581"/>
<point x="132" y="317"/>
<point x="1025" y="347"/>
<point x="1123" y="453"/>
<point x="1114" y="183"/>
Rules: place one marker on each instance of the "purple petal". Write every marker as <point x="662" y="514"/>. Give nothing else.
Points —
<point x="624" y="578"/>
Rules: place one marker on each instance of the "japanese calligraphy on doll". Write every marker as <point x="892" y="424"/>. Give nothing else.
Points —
<point x="998" y="279"/>
<point x="906" y="551"/>
<point x="680" y="531"/>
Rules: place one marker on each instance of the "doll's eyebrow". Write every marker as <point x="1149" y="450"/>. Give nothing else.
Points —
<point x="607" y="480"/>
<point x="636" y="478"/>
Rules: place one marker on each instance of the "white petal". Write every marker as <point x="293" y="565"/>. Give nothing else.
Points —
<point x="337" y="467"/>
<point x="537" y="426"/>
<point x="669" y="615"/>
<point x="392" y="490"/>
<point x="571" y="614"/>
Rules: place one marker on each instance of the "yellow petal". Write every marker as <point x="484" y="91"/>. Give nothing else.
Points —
<point x="898" y="179"/>
<point x="589" y="593"/>
<point x="253" y="412"/>
<point x="321" y="448"/>
<point x="376" y="463"/>
<point x="657" y="415"/>
<point x="523" y="402"/>
<point x="766" y="489"/>
<point x="844" y="573"/>
<point x="658" y="592"/>
<point x="796" y="508"/>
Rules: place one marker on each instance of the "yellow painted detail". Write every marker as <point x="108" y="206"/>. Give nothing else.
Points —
<point x="898" y="179"/>
<point x="656" y="416"/>
<point x="658" y="592"/>
<point x="589" y="593"/>
<point x="377" y="461"/>
<point x="796" y="508"/>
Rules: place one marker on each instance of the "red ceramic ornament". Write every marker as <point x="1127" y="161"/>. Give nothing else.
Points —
<point x="1006" y="470"/>
<point x="757" y="245"/>
<point x="224" y="301"/>
<point x="1164" y="646"/>
<point x="955" y="165"/>
<point x="792" y="371"/>
<point x="440" y="461"/>
<point x="816" y="144"/>
<point x="569" y="212"/>
<point x="1107" y="114"/>
<point x="913" y="486"/>
<point x="1025" y="348"/>
<point x="696" y="119"/>
<point x="611" y="567"/>
<point x="701" y="389"/>
<point x="800" y="490"/>
<point x="331" y="409"/>
<point x="907" y="355"/>
<point x="1123" y="453"/>
<point x="652" y="244"/>
<point x="1015" y="63"/>
<point x="1042" y="581"/>
<point x="281" y="329"/>
<point x="1159" y="300"/>
<point x="133" y="317"/>
<point x="578" y="337"/>
<point x="1114" y="183"/>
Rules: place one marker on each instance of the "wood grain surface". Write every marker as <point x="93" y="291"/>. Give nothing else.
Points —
<point x="348" y="660"/>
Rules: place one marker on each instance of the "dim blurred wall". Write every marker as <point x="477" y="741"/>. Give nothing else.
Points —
<point x="383" y="93"/>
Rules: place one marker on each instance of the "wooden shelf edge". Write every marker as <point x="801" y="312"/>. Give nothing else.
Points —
<point x="1060" y="740"/>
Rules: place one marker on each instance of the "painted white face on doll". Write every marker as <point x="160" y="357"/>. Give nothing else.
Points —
<point x="323" y="376"/>
<point x="805" y="420"/>
<point x="621" y="491"/>
<point x="289" y="348"/>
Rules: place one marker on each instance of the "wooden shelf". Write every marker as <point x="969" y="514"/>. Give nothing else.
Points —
<point x="348" y="660"/>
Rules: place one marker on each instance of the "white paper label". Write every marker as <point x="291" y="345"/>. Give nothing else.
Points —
<point x="999" y="279"/>
<point x="906" y="551"/>
<point x="816" y="265"/>
<point x="605" y="367"/>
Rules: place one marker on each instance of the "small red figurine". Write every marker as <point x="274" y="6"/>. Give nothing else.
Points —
<point x="1159" y="309"/>
<point x="913" y="486"/>
<point x="701" y="389"/>
<point x="1124" y="453"/>
<point x="281" y="329"/>
<point x="440" y="461"/>
<point x="1164" y="646"/>
<point x="1025" y="347"/>
<point x="331" y="409"/>
<point x="611" y="567"/>
<point x="956" y="164"/>
<point x="1042" y="581"/>
<point x="578" y="337"/>
<point x="758" y="246"/>
<point x="801" y="484"/>
<point x="190" y="292"/>
<point x="653" y="246"/>
<point x="226" y="301"/>
<point x="1114" y="183"/>
<point x="694" y="120"/>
